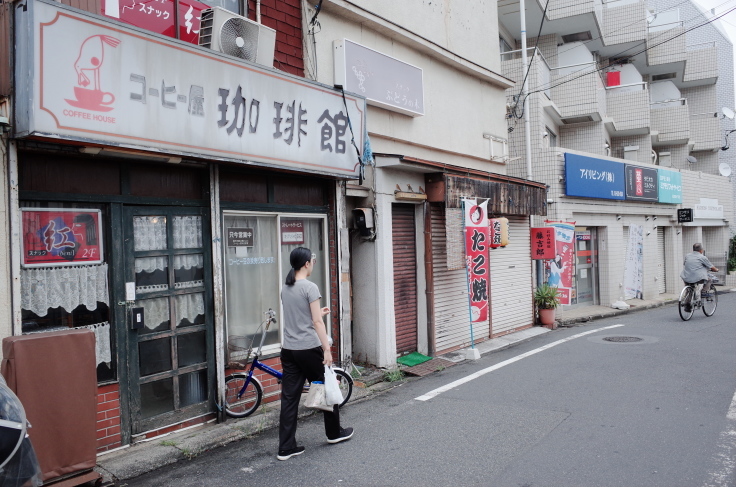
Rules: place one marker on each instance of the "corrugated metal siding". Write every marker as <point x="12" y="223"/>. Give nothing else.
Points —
<point x="451" y="314"/>
<point x="511" y="280"/>
<point x="661" y="259"/>
<point x="405" y="277"/>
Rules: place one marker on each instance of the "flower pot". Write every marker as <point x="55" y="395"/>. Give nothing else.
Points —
<point x="547" y="318"/>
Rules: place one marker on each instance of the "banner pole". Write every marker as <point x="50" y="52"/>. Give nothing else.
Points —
<point x="467" y="276"/>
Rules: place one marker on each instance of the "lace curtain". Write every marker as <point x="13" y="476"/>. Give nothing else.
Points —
<point x="150" y="234"/>
<point x="187" y="306"/>
<point x="67" y="287"/>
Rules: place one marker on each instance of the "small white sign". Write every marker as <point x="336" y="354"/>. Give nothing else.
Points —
<point x="130" y="291"/>
<point x="708" y="209"/>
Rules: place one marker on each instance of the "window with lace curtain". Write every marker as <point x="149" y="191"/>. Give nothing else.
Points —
<point x="66" y="297"/>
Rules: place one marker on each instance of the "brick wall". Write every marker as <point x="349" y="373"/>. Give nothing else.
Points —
<point x="108" y="417"/>
<point x="286" y="17"/>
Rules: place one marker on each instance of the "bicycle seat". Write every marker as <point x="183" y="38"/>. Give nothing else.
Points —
<point x="702" y="281"/>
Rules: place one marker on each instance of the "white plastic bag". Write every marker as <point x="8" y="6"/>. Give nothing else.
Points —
<point x="332" y="387"/>
<point x="620" y="305"/>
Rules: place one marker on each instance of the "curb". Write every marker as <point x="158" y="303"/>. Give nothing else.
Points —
<point x="613" y="312"/>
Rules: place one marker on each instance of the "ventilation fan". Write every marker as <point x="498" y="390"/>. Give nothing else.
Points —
<point x="237" y="36"/>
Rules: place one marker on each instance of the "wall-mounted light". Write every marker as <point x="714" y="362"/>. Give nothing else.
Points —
<point x="649" y="233"/>
<point x="618" y="217"/>
<point x="678" y="232"/>
<point x="654" y="217"/>
<point x="646" y="218"/>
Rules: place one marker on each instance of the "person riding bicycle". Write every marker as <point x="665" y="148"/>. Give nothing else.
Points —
<point x="305" y="352"/>
<point x="696" y="266"/>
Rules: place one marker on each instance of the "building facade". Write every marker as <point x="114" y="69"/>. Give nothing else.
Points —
<point x="625" y="108"/>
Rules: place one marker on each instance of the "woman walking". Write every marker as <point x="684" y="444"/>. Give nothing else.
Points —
<point x="305" y="352"/>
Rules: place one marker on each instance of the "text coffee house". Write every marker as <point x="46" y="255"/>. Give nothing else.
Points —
<point x="161" y="190"/>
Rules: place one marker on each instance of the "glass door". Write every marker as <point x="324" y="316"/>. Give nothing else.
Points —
<point x="170" y="325"/>
<point x="586" y="266"/>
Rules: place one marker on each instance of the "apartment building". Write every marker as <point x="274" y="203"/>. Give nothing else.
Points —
<point x="625" y="106"/>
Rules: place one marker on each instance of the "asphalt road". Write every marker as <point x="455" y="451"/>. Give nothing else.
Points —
<point x="582" y="412"/>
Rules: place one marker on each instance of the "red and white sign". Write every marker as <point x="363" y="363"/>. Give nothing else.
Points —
<point x="543" y="243"/>
<point x="292" y="232"/>
<point x="158" y="16"/>
<point x="58" y="237"/>
<point x="477" y="241"/>
<point x="100" y="83"/>
<point x="561" y="268"/>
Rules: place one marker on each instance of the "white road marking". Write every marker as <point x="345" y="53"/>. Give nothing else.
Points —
<point x="452" y="385"/>
<point x="726" y="453"/>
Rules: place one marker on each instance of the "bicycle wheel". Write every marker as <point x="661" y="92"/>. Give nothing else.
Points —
<point x="248" y="402"/>
<point x="710" y="302"/>
<point x="685" y="305"/>
<point x="346" y="385"/>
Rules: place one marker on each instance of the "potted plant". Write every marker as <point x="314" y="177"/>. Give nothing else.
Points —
<point x="546" y="300"/>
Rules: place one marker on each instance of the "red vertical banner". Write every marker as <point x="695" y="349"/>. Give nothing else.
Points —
<point x="477" y="240"/>
<point x="543" y="243"/>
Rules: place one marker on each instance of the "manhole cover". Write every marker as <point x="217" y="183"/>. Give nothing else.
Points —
<point x="623" y="339"/>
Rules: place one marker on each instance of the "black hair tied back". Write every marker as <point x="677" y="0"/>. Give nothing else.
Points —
<point x="299" y="256"/>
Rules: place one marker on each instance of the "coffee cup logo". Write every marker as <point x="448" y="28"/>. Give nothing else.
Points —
<point x="88" y="64"/>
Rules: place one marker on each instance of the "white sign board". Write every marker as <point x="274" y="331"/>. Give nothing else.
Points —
<point x="708" y="209"/>
<point x="386" y="82"/>
<point x="99" y="81"/>
<point x="634" y="263"/>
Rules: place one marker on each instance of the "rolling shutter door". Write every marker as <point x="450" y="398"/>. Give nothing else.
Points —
<point x="450" y="292"/>
<point x="405" y="277"/>
<point x="511" y="280"/>
<point x="661" y="269"/>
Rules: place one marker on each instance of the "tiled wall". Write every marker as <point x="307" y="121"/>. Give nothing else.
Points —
<point x="672" y="123"/>
<point x="626" y="23"/>
<point x="587" y="137"/>
<point x="580" y="93"/>
<point x="666" y="46"/>
<point x="629" y="111"/>
<point x="560" y="9"/>
<point x="701" y="63"/>
<point x="286" y="17"/>
<point x="643" y="154"/>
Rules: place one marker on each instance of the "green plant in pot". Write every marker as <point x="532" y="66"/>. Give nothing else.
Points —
<point x="546" y="300"/>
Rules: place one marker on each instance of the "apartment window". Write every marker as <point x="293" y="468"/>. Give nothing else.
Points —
<point x="551" y="138"/>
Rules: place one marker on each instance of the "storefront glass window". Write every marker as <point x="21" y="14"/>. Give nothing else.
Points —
<point x="56" y="296"/>
<point x="257" y="249"/>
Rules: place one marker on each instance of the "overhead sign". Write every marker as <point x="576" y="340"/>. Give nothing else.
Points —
<point x="385" y="81"/>
<point x="90" y="80"/>
<point x="61" y="236"/>
<point x="543" y="243"/>
<point x="641" y="183"/>
<point x="708" y="209"/>
<point x="594" y="178"/>
<point x="684" y="215"/>
<point x="670" y="186"/>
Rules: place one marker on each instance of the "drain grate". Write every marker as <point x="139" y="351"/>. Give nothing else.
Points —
<point x="623" y="339"/>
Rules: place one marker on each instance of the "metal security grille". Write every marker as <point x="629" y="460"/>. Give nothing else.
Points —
<point x="661" y="259"/>
<point x="405" y="277"/>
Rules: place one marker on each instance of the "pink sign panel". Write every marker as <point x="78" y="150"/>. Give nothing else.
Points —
<point x="57" y="237"/>
<point x="158" y="16"/>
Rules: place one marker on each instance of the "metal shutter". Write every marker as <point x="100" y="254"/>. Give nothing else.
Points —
<point x="451" y="315"/>
<point x="661" y="258"/>
<point x="511" y="280"/>
<point x="405" y="277"/>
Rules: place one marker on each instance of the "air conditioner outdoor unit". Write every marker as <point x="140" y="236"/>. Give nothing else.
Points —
<point x="237" y="36"/>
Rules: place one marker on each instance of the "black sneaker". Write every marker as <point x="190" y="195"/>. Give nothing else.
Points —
<point x="345" y="434"/>
<point x="286" y="454"/>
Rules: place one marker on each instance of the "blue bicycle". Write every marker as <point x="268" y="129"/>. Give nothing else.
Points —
<point x="244" y="391"/>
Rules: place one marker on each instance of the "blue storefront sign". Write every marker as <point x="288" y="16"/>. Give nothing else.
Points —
<point x="589" y="177"/>
<point x="670" y="186"/>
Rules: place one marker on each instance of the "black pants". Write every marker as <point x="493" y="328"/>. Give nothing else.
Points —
<point x="299" y="365"/>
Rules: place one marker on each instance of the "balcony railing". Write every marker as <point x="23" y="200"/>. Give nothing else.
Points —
<point x="668" y="103"/>
<point x="702" y="45"/>
<point x="544" y="69"/>
<point x="630" y="87"/>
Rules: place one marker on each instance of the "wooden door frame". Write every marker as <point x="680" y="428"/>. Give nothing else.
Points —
<point x="125" y="257"/>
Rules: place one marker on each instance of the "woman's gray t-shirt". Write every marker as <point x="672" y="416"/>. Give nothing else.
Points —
<point x="299" y="332"/>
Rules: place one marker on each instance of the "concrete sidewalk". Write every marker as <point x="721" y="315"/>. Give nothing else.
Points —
<point x="145" y="456"/>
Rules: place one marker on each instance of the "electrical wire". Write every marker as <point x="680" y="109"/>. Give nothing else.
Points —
<point x="550" y="86"/>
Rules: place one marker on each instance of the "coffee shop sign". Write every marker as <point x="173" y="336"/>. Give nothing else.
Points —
<point x="116" y="86"/>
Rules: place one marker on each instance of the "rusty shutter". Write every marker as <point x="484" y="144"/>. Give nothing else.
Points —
<point x="450" y="293"/>
<point x="405" y="277"/>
